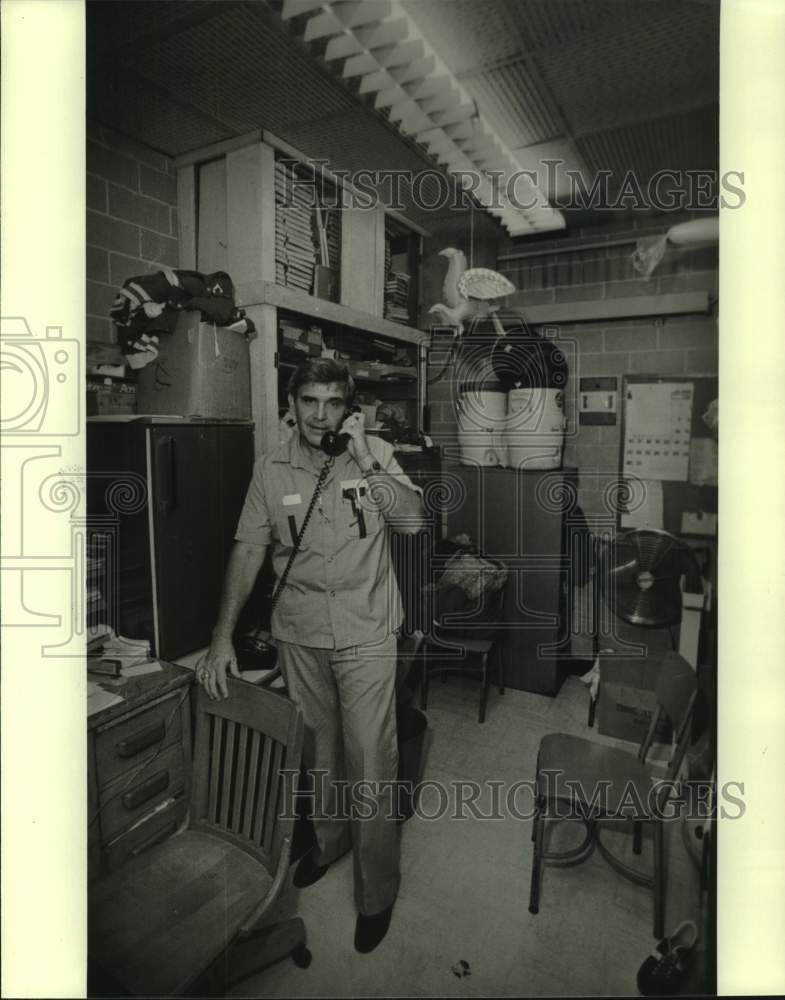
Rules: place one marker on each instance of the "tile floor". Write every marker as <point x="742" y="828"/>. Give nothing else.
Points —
<point x="465" y="883"/>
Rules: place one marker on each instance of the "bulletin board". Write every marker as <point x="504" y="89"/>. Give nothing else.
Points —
<point x="669" y="454"/>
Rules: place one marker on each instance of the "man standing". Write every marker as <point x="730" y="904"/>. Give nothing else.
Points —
<point x="334" y="621"/>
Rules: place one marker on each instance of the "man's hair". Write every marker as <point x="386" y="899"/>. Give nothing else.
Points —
<point x="323" y="371"/>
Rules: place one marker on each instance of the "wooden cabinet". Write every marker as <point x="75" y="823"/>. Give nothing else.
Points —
<point x="167" y="498"/>
<point x="138" y="765"/>
<point x="518" y="518"/>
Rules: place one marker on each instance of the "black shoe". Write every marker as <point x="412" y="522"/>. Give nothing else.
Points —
<point x="307" y="871"/>
<point x="664" y="971"/>
<point x="369" y="931"/>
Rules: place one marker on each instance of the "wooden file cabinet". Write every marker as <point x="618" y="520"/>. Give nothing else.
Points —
<point x="138" y="766"/>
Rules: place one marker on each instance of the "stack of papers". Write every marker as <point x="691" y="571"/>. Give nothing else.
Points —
<point x="117" y="653"/>
<point x="396" y="297"/>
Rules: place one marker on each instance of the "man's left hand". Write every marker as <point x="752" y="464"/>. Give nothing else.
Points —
<point x="358" y="447"/>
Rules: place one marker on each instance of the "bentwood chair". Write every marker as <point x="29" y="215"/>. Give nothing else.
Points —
<point x="186" y="917"/>
<point x="579" y="779"/>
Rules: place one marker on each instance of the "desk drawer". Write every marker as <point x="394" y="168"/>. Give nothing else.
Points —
<point x="123" y="747"/>
<point x="123" y="801"/>
<point x="153" y="830"/>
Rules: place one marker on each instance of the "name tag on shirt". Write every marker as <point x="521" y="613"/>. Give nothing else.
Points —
<point x="292" y="500"/>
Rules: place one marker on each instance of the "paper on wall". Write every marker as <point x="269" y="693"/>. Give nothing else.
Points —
<point x="648" y="408"/>
<point x="703" y="462"/>
<point x="658" y="419"/>
<point x="648" y="512"/>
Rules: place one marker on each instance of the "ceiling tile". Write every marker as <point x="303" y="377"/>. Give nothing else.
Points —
<point x="131" y="105"/>
<point x="111" y="25"/>
<point x="516" y="103"/>
<point x="550" y="24"/>
<point x="656" y="65"/>
<point x="256" y="75"/>
<point x="679" y="142"/>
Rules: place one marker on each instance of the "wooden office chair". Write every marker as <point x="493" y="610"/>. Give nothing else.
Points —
<point x="184" y="917"/>
<point x="453" y="643"/>
<point x="572" y="770"/>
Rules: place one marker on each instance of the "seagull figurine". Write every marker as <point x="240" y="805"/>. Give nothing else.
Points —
<point x="455" y="270"/>
<point x="463" y="289"/>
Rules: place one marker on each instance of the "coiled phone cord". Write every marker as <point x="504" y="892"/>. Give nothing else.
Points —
<point x="275" y="673"/>
<point x="301" y="533"/>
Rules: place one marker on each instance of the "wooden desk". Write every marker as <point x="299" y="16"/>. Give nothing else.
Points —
<point x="138" y="765"/>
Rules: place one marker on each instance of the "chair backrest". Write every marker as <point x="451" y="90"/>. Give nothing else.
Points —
<point x="677" y="688"/>
<point x="242" y="746"/>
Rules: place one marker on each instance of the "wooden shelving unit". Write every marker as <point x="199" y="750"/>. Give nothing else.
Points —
<point x="236" y="229"/>
<point x="594" y="310"/>
<point x="271" y="294"/>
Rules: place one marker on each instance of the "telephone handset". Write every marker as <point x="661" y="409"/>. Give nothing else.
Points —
<point x="332" y="442"/>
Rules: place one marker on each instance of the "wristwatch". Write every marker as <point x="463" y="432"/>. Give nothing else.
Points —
<point x="372" y="468"/>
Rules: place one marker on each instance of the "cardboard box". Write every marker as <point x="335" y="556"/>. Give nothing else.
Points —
<point x="104" y="396"/>
<point x="202" y="370"/>
<point x="628" y="699"/>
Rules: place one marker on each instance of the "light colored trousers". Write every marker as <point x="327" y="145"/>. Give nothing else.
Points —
<point x="347" y="697"/>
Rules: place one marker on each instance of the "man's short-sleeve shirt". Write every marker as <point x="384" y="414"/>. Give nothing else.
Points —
<point x="341" y="589"/>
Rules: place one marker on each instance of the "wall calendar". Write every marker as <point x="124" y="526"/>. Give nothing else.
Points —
<point x="658" y="418"/>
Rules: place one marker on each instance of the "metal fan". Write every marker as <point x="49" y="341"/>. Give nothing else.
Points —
<point x="638" y="576"/>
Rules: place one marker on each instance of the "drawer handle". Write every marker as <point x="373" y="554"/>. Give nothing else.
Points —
<point x="137" y="796"/>
<point x="156" y="838"/>
<point x="142" y="740"/>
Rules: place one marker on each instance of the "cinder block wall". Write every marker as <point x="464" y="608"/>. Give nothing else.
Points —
<point x="657" y="345"/>
<point x="131" y="220"/>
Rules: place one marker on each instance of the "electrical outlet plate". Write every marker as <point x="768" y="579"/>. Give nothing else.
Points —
<point x="598" y="399"/>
